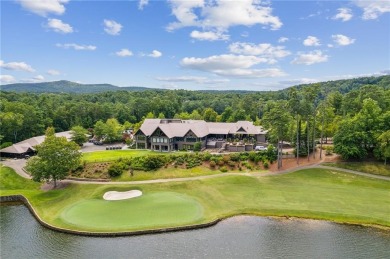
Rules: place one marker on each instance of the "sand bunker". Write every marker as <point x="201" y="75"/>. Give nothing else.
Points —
<point x="115" y="196"/>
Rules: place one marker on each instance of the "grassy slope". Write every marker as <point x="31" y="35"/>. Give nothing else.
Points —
<point x="311" y="193"/>
<point x="111" y="155"/>
<point x="377" y="168"/>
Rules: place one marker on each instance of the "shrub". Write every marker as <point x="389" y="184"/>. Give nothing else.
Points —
<point x="244" y="156"/>
<point x="266" y="165"/>
<point x="221" y="162"/>
<point x="231" y="164"/>
<point x="212" y="164"/>
<point x="226" y="158"/>
<point x="115" y="170"/>
<point x="223" y="169"/>
<point x="328" y="150"/>
<point x="206" y="156"/>
<point x="235" y="157"/>
<point x="197" y="146"/>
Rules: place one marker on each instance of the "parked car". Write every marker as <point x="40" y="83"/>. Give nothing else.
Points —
<point x="260" y="148"/>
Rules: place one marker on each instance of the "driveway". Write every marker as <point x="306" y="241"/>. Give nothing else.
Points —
<point x="90" y="147"/>
<point x="17" y="165"/>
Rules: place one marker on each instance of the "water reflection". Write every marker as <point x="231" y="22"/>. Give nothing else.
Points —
<point x="238" y="237"/>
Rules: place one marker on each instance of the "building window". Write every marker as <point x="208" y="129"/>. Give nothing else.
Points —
<point x="190" y="139"/>
<point x="141" y="137"/>
<point x="180" y="139"/>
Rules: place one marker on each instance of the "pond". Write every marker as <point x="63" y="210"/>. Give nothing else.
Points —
<point x="238" y="237"/>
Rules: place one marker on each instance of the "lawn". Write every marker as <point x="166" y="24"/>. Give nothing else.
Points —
<point x="111" y="155"/>
<point x="377" y="168"/>
<point x="311" y="193"/>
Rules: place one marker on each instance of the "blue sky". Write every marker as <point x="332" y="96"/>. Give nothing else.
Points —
<point x="199" y="44"/>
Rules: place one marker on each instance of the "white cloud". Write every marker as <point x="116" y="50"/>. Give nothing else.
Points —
<point x="44" y="7"/>
<point x="344" y="14"/>
<point x="35" y="79"/>
<point x="53" y="72"/>
<point x="193" y="79"/>
<point x="342" y="40"/>
<point x="112" y="27"/>
<point x="245" y="34"/>
<point x="76" y="46"/>
<point x="58" y="26"/>
<point x="142" y="4"/>
<point x="7" y="79"/>
<point x="311" y="41"/>
<point x="231" y="65"/>
<point x="299" y="81"/>
<point x="18" y="66"/>
<point x="282" y="39"/>
<point x="124" y="53"/>
<point x="221" y="14"/>
<point x="155" y="54"/>
<point x="38" y="78"/>
<point x="310" y="58"/>
<point x="264" y="50"/>
<point x="209" y="35"/>
<point x="373" y="9"/>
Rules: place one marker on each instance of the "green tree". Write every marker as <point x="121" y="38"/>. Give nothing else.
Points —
<point x="11" y="124"/>
<point x="210" y="115"/>
<point x="99" y="129"/>
<point x="384" y="145"/>
<point x="348" y="140"/>
<point x="79" y="135"/>
<point x="113" y="130"/>
<point x="294" y="104"/>
<point x="277" y="120"/>
<point x="56" y="157"/>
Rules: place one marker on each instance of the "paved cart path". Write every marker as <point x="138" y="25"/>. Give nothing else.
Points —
<point x="19" y="164"/>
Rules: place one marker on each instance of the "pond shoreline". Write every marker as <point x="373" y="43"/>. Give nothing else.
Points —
<point x="20" y="199"/>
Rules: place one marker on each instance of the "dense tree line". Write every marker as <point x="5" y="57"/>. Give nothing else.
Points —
<point x="299" y="115"/>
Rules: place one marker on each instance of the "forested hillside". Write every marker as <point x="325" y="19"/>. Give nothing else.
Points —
<point x="64" y="86"/>
<point x="306" y="109"/>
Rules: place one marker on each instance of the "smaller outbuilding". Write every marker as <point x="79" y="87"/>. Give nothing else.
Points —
<point x="26" y="147"/>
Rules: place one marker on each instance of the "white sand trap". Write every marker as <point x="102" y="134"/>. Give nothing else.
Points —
<point x="116" y="196"/>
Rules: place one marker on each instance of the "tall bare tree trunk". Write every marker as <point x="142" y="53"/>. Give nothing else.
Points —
<point x="322" y="134"/>
<point x="278" y="154"/>
<point x="281" y="157"/>
<point x="297" y="143"/>
<point x="308" y="140"/>
<point x="314" y="136"/>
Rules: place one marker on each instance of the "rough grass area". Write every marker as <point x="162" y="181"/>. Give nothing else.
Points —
<point x="311" y="193"/>
<point x="377" y="168"/>
<point x="166" y="173"/>
<point x="161" y="209"/>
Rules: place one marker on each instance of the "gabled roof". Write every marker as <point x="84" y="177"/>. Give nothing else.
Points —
<point x="17" y="149"/>
<point x="23" y="146"/>
<point x="179" y="128"/>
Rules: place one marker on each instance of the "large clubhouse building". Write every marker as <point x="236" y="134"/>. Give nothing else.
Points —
<point x="176" y="134"/>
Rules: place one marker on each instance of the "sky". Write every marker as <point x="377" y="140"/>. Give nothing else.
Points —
<point x="193" y="44"/>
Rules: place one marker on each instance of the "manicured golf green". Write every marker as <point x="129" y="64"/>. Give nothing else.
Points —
<point x="310" y="193"/>
<point x="159" y="209"/>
